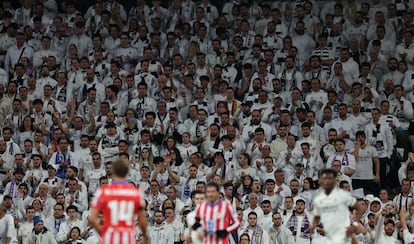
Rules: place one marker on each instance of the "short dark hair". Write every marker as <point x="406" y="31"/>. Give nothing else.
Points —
<point x="410" y="167"/>
<point x="266" y="202"/>
<point x="252" y="213"/>
<point x="213" y="184"/>
<point x="327" y="171"/>
<point x="195" y="192"/>
<point x="342" y="183"/>
<point x="227" y="185"/>
<point x="121" y="168"/>
<point x="158" y="160"/>
<point x="360" y="133"/>
<point x="390" y="221"/>
<point x="72" y="207"/>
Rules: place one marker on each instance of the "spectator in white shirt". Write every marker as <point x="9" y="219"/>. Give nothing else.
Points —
<point x="81" y="40"/>
<point x="16" y="52"/>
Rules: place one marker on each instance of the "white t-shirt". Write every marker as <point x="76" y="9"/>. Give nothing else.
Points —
<point x="402" y="202"/>
<point x="190" y="223"/>
<point x="266" y="221"/>
<point x="364" y="163"/>
<point x="330" y="208"/>
<point x="275" y="200"/>
<point x="92" y="177"/>
<point x="347" y="161"/>
<point x="408" y="237"/>
<point x="298" y="239"/>
<point x="7" y="228"/>
<point x="24" y="230"/>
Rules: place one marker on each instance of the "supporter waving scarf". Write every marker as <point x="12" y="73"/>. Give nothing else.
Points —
<point x="60" y="158"/>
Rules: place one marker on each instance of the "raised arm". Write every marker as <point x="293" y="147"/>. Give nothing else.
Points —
<point x="92" y="124"/>
<point x="170" y="171"/>
<point x="403" y="219"/>
<point x="213" y="172"/>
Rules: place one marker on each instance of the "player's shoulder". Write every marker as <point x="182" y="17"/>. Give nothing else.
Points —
<point x="227" y="203"/>
<point x="346" y="196"/>
<point x="131" y="188"/>
<point x="104" y="188"/>
<point x="202" y="204"/>
<point x="118" y="189"/>
<point x="336" y="192"/>
<point x="318" y="195"/>
<point x="341" y="191"/>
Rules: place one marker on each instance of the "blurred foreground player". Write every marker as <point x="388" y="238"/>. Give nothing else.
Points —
<point x="120" y="203"/>
<point x="217" y="217"/>
<point x="332" y="204"/>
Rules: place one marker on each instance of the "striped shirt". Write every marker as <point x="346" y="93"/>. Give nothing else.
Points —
<point x="220" y="216"/>
<point x="119" y="202"/>
<point x="325" y="54"/>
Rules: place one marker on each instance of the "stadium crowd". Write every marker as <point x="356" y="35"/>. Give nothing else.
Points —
<point x="256" y="96"/>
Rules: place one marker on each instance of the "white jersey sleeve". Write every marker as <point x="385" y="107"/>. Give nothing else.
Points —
<point x="348" y="199"/>
<point x="408" y="237"/>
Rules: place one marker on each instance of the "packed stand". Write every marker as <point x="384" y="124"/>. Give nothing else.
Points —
<point x="257" y="96"/>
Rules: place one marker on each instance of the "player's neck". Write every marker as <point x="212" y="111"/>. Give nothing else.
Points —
<point x="328" y="191"/>
<point x="214" y="202"/>
<point x="116" y="179"/>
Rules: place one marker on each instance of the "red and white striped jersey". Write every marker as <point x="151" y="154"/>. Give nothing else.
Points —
<point x="220" y="216"/>
<point x="119" y="203"/>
